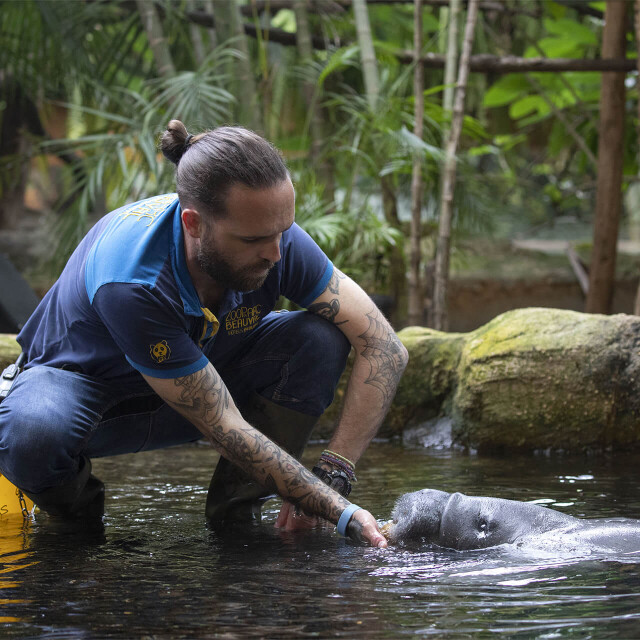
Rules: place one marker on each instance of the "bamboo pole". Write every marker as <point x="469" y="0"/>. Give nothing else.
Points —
<point x="636" y="306"/>
<point x="416" y="303"/>
<point x="157" y="40"/>
<point x="446" y="207"/>
<point x="367" y="54"/>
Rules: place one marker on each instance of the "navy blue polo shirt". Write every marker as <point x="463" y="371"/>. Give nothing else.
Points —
<point x="125" y="302"/>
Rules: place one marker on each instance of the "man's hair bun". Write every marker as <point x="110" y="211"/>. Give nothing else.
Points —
<point x="173" y="143"/>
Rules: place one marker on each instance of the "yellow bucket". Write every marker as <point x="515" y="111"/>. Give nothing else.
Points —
<point x="12" y="500"/>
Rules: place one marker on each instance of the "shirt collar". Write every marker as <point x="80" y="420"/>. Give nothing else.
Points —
<point x="188" y="294"/>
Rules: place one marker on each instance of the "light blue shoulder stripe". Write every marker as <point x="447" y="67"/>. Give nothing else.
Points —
<point x="320" y="287"/>
<point x="167" y="374"/>
<point x="133" y="247"/>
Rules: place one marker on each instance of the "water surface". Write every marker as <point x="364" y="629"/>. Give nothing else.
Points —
<point x="156" y="571"/>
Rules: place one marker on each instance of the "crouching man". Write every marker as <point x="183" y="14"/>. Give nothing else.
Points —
<point x="161" y="328"/>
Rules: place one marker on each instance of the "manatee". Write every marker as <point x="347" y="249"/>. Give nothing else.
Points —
<point x="460" y="522"/>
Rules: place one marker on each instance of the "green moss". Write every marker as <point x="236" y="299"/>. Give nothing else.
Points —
<point x="542" y="378"/>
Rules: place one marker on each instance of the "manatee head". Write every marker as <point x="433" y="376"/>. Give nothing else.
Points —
<point x="477" y="523"/>
<point x="416" y="516"/>
<point x="457" y="521"/>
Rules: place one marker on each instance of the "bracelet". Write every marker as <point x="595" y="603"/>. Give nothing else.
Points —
<point x="339" y="461"/>
<point x="337" y="479"/>
<point x="346" y="517"/>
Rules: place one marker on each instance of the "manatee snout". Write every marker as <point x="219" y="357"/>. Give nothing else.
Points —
<point x="416" y="516"/>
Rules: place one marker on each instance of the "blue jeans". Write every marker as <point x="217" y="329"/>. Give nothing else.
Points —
<point x="53" y="417"/>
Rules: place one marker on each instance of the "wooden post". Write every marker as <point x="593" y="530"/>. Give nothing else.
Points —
<point x="610" y="156"/>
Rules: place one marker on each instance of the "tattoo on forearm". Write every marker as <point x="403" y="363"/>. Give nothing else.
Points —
<point x="334" y="282"/>
<point x="202" y="396"/>
<point x="385" y="355"/>
<point x="329" y="310"/>
<point x="264" y="460"/>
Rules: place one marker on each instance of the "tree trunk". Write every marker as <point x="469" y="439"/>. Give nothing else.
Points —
<point x="367" y="54"/>
<point x="246" y="86"/>
<point x="636" y="306"/>
<point x="610" y="157"/>
<point x="315" y="120"/>
<point x="451" y="59"/>
<point x="416" y="304"/>
<point x="397" y="275"/>
<point x="157" y="40"/>
<point x="196" y="36"/>
<point x="446" y="206"/>
<point x="209" y="6"/>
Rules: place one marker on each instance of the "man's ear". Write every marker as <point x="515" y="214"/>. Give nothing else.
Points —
<point x="193" y="223"/>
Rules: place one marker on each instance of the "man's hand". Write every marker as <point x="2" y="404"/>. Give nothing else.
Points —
<point x="292" y="518"/>
<point x="363" y="528"/>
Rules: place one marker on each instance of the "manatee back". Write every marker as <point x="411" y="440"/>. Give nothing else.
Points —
<point x="599" y="535"/>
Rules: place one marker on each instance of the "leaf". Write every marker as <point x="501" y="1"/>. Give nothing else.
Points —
<point x="528" y="104"/>
<point x="483" y="150"/>
<point x="430" y="23"/>
<point x="285" y="19"/>
<point x="339" y="59"/>
<point x="571" y="30"/>
<point x="556" y="48"/>
<point x="412" y="142"/>
<point x="506" y="90"/>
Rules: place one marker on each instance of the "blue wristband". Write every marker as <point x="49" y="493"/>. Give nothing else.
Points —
<point x="346" y="517"/>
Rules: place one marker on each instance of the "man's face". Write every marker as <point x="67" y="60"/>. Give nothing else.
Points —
<point x="238" y="251"/>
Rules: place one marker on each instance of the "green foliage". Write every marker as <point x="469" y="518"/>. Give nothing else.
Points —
<point x="519" y="164"/>
<point x="120" y="157"/>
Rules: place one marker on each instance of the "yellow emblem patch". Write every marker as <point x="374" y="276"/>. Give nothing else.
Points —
<point x="160" y="351"/>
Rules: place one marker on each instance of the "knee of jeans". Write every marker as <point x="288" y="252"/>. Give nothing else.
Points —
<point x="322" y="345"/>
<point x="32" y="455"/>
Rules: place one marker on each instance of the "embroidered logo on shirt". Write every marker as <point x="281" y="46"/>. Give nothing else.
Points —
<point x="149" y="209"/>
<point x="242" y="319"/>
<point x="160" y="351"/>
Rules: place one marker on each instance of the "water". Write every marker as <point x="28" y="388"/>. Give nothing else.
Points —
<point x="156" y="571"/>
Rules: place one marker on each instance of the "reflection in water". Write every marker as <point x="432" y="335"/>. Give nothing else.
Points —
<point x="154" y="569"/>
<point x="14" y="555"/>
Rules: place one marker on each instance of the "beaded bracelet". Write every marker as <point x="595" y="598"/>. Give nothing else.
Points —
<point x="343" y="463"/>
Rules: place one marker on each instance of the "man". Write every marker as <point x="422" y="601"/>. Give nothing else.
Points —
<point x="160" y="329"/>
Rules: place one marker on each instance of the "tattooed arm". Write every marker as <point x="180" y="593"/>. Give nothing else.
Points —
<point x="204" y="400"/>
<point x="380" y="359"/>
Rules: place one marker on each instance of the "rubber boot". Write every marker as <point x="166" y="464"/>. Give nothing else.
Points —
<point x="81" y="498"/>
<point x="233" y="494"/>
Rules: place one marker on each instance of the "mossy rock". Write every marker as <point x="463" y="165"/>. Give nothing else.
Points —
<point x="549" y="379"/>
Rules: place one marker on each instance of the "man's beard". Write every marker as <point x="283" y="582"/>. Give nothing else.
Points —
<point x="245" y="279"/>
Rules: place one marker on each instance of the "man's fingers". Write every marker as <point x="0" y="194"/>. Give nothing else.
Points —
<point x="284" y="514"/>
<point x="363" y="528"/>
<point x="292" y="518"/>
